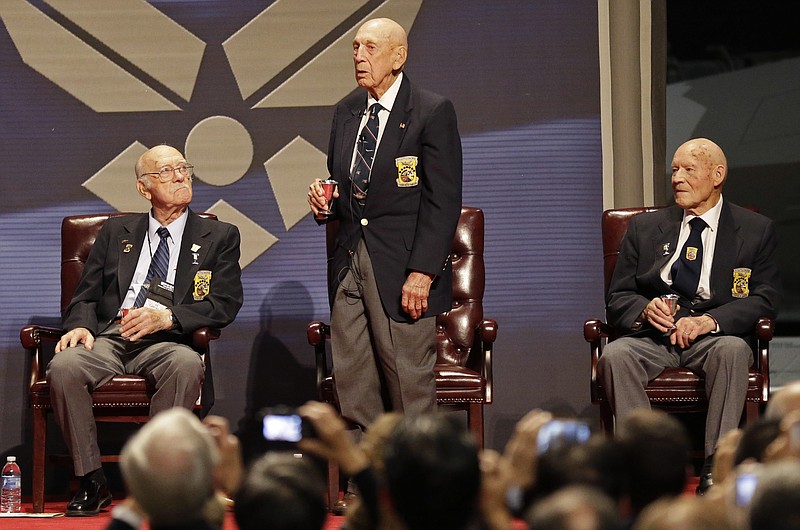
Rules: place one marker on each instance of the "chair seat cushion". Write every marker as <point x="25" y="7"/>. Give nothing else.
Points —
<point x="122" y="390"/>
<point x="453" y="384"/>
<point x="681" y="384"/>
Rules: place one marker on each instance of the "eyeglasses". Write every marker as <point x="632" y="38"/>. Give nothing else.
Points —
<point x="168" y="173"/>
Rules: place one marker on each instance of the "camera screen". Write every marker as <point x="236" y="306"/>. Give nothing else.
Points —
<point x="558" y="433"/>
<point x="283" y="427"/>
<point x="745" y="487"/>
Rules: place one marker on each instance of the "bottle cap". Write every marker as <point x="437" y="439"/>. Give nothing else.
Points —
<point x="12" y="459"/>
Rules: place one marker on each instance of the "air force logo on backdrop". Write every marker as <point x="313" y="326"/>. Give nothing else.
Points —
<point x="263" y="52"/>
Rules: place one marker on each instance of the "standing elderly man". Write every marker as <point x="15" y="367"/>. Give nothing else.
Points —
<point x="719" y="259"/>
<point x="395" y="153"/>
<point x="150" y="280"/>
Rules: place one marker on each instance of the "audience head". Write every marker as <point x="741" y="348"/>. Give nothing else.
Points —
<point x="574" y="508"/>
<point x="785" y="400"/>
<point x="755" y="439"/>
<point x="432" y="473"/>
<point x="281" y="492"/>
<point x="776" y="501"/>
<point x="683" y="513"/>
<point x="168" y="467"/>
<point x="656" y="446"/>
<point x="599" y="463"/>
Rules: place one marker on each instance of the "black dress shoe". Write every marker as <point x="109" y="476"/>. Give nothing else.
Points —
<point x="706" y="481"/>
<point x="91" y="497"/>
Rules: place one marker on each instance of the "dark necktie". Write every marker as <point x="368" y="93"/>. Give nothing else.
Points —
<point x="367" y="142"/>
<point x="686" y="269"/>
<point x="159" y="264"/>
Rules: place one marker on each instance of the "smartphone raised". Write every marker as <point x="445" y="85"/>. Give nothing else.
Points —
<point x="558" y="433"/>
<point x="284" y="424"/>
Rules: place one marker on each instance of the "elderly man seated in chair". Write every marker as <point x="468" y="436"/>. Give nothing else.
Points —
<point x="150" y="280"/>
<point x="719" y="261"/>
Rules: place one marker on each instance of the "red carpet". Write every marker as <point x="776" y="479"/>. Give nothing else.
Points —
<point x="100" y="522"/>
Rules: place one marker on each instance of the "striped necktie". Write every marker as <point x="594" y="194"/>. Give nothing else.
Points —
<point x="367" y="143"/>
<point x="158" y="266"/>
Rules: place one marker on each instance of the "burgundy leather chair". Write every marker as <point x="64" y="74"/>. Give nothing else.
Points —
<point x="464" y="338"/>
<point x="675" y="390"/>
<point x="123" y="399"/>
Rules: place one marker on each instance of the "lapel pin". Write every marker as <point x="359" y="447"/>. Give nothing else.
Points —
<point x="195" y="257"/>
<point x="665" y="249"/>
<point x="128" y="246"/>
<point x="402" y="125"/>
<point x="195" y="247"/>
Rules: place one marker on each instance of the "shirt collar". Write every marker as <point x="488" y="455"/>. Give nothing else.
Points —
<point x="711" y="217"/>
<point x="175" y="227"/>
<point x="387" y="100"/>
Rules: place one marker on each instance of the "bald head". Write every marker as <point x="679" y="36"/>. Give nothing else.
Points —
<point x="147" y="162"/>
<point x="705" y="152"/>
<point x="380" y="48"/>
<point x="699" y="170"/>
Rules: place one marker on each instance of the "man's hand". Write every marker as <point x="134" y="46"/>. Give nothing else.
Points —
<point x="658" y="314"/>
<point x="75" y="337"/>
<point x="230" y="469"/>
<point x="316" y="198"/>
<point x="415" y="294"/>
<point x="689" y="329"/>
<point x="522" y="451"/>
<point x="333" y="441"/>
<point x="144" y="321"/>
<point x="495" y="480"/>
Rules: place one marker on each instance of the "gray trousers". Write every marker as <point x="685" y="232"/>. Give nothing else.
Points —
<point x="175" y="369"/>
<point x="629" y="363"/>
<point x="371" y="352"/>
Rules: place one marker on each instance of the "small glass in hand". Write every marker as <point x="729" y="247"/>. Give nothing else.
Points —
<point x="328" y="186"/>
<point x="672" y="302"/>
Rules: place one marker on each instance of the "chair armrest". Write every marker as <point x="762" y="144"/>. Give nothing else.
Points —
<point x="318" y="333"/>
<point x="765" y="330"/>
<point x="487" y="332"/>
<point x="594" y="330"/>
<point x="31" y="338"/>
<point x="202" y="337"/>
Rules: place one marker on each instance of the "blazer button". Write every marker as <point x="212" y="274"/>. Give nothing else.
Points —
<point x="364" y="222"/>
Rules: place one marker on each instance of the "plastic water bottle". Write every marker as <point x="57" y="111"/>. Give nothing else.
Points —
<point x="11" y="495"/>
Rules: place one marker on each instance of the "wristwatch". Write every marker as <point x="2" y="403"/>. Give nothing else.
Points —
<point x="172" y="319"/>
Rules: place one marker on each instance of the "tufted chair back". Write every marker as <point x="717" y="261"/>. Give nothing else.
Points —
<point x="455" y="329"/>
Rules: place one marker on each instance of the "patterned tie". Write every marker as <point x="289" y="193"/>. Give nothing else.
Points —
<point x="367" y="142"/>
<point x="686" y="269"/>
<point x="158" y="266"/>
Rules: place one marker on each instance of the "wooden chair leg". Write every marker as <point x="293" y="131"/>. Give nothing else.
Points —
<point x="751" y="412"/>
<point x="606" y="418"/>
<point x="333" y="484"/>
<point x="475" y="421"/>
<point x="39" y="442"/>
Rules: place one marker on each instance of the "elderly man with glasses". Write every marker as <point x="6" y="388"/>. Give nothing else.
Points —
<point x="150" y="280"/>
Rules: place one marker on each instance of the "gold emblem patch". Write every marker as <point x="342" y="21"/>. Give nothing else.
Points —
<point x="406" y="171"/>
<point x="741" y="283"/>
<point x="691" y="253"/>
<point x="202" y="285"/>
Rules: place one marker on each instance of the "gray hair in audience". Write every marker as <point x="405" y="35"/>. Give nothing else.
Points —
<point x="168" y="467"/>
<point x="784" y="401"/>
<point x="574" y="508"/>
<point x="776" y="501"/>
